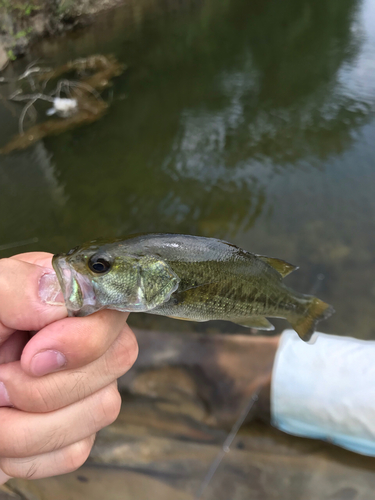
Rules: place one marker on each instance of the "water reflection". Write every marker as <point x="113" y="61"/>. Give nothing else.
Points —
<point x="277" y="99"/>
<point x="30" y="195"/>
<point x="251" y="121"/>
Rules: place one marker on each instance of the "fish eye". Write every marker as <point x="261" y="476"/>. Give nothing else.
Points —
<point x="99" y="265"/>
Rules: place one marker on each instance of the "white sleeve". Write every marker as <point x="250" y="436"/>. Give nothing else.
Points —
<point x="326" y="390"/>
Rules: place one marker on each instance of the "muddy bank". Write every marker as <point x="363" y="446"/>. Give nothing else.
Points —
<point x="23" y="22"/>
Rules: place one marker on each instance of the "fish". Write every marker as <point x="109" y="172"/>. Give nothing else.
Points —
<point x="185" y="277"/>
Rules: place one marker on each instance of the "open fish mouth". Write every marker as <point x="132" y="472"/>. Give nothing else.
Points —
<point x="78" y="291"/>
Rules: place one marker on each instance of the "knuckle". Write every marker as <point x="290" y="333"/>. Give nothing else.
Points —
<point x="6" y="467"/>
<point x="127" y="354"/>
<point x="111" y="404"/>
<point x="19" y="468"/>
<point x="14" y="441"/>
<point x="94" y="345"/>
<point x="77" y="454"/>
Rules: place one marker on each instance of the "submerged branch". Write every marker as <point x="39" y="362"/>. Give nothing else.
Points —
<point x="95" y="72"/>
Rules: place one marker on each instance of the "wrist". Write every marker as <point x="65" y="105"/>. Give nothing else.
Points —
<point x="263" y="405"/>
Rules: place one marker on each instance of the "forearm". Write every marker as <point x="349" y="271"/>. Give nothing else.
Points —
<point x="325" y="391"/>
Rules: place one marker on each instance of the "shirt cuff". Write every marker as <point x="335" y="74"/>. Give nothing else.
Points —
<point x="326" y="390"/>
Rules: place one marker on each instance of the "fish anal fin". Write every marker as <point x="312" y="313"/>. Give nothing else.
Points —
<point x="257" y="322"/>
<point x="317" y="311"/>
<point x="281" y="266"/>
<point x="185" y="319"/>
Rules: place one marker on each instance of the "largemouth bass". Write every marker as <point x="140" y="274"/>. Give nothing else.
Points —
<point x="184" y="277"/>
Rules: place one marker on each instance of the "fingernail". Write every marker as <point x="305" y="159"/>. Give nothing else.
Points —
<point x="4" y="397"/>
<point x="50" y="290"/>
<point x="47" y="362"/>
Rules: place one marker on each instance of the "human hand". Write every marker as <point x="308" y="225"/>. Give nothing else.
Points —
<point x="57" y="387"/>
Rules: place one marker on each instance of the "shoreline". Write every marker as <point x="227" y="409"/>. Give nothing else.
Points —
<point x="31" y="20"/>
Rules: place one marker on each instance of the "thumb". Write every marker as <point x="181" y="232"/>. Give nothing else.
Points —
<point x="29" y="297"/>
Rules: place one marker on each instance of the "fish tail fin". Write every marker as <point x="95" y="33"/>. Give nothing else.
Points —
<point x="317" y="311"/>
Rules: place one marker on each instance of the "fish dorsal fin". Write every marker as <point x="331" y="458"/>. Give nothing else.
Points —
<point x="257" y="322"/>
<point x="282" y="267"/>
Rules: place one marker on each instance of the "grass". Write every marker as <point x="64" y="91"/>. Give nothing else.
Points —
<point x="11" y="55"/>
<point x="22" y="9"/>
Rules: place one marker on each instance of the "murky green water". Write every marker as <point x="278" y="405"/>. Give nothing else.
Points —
<point x="249" y="121"/>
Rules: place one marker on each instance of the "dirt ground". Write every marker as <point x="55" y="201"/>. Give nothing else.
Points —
<point x="23" y="22"/>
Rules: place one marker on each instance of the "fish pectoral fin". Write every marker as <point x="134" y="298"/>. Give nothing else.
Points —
<point x="257" y="322"/>
<point x="281" y="266"/>
<point x="157" y="280"/>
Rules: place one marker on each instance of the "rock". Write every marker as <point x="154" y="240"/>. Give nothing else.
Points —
<point x="172" y="389"/>
<point x="95" y="483"/>
<point x="4" y="59"/>
<point x="199" y="375"/>
<point x="6" y="493"/>
<point x="263" y="464"/>
<point x="40" y="23"/>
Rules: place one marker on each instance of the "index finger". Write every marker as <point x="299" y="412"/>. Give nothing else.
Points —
<point x="76" y="342"/>
<point x="43" y="259"/>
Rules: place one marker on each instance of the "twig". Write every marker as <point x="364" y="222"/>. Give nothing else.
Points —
<point x="19" y="244"/>
<point x="26" y="74"/>
<point x="226" y="445"/>
<point x="45" y="83"/>
<point x="33" y="63"/>
<point x="32" y="100"/>
<point x="70" y="83"/>
<point x="16" y="96"/>
<point x="88" y="88"/>
<point x="31" y="82"/>
<point x="26" y="108"/>
<point x="9" y="106"/>
<point x="13" y="96"/>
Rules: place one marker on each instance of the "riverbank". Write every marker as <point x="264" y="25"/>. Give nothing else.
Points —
<point x="23" y="22"/>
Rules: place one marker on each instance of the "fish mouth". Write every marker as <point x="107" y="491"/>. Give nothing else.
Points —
<point x="78" y="291"/>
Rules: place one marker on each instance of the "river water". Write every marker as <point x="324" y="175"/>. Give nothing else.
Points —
<point x="248" y="121"/>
